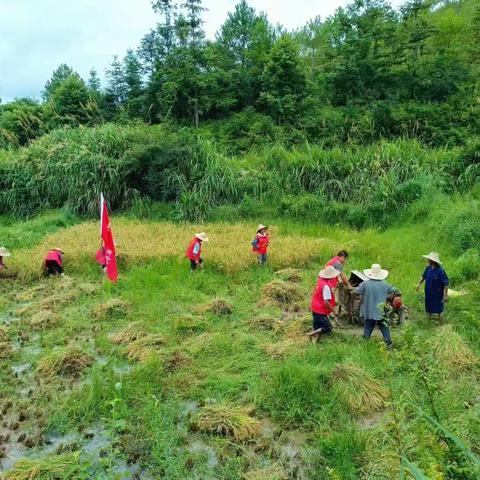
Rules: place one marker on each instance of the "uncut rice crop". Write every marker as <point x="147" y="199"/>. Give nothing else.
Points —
<point x="359" y="390"/>
<point x="57" y="467"/>
<point x="228" y="420"/>
<point x="228" y="248"/>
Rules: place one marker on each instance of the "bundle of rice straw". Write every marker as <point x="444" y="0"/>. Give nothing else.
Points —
<point x="451" y="352"/>
<point x="361" y="392"/>
<point x="228" y="420"/>
<point x="133" y="331"/>
<point x="69" y="362"/>
<point x="281" y="292"/>
<point x="145" y="347"/>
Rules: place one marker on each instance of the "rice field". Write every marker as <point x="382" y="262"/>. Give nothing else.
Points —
<point x="169" y="374"/>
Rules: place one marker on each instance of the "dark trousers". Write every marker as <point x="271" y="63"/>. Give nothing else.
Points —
<point x="382" y="325"/>
<point x="53" y="268"/>
<point x="194" y="264"/>
<point x="322" y="322"/>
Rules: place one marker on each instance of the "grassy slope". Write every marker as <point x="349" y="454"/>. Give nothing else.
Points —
<point x="309" y="426"/>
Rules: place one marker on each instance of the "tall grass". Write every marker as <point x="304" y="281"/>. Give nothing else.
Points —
<point x="69" y="167"/>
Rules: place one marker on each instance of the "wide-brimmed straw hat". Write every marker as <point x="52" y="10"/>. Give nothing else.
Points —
<point x="4" y="252"/>
<point x="261" y="227"/>
<point x="329" y="272"/>
<point x="434" y="257"/>
<point x="376" y="272"/>
<point x="59" y="250"/>
<point x="202" y="236"/>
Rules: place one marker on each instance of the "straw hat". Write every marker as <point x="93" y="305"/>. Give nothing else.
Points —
<point x="376" y="272"/>
<point x="202" y="236"/>
<point x="4" y="252"/>
<point x="329" y="272"/>
<point x="59" y="250"/>
<point x="261" y="227"/>
<point x="434" y="257"/>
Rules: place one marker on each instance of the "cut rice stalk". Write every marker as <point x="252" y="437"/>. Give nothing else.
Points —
<point x="5" y="350"/>
<point x="57" y="467"/>
<point x="114" y="307"/>
<point x="273" y="472"/>
<point x="131" y="333"/>
<point x="68" y="362"/>
<point x="298" y="328"/>
<point x="280" y="349"/>
<point x="266" y="322"/>
<point x="145" y="347"/>
<point x="228" y="420"/>
<point x="281" y="292"/>
<point x="43" y="319"/>
<point x="289" y="275"/>
<point x="218" y="306"/>
<point x="451" y="352"/>
<point x="359" y="390"/>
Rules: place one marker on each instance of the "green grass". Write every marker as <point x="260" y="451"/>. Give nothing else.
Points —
<point x="146" y="409"/>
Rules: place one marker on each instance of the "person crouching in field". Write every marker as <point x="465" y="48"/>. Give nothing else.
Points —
<point x="3" y="253"/>
<point x="374" y="293"/>
<point x="53" y="264"/>
<point x="338" y="262"/>
<point x="436" y="285"/>
<point x="194" y="251"/>
<point x="260" y="244"/>
<point x="323" y="302"/>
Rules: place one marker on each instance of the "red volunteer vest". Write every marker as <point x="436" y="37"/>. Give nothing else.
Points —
<point x="318" y="303"/>
<point x="55" y="256"/>
<point x="189" y="253"/>
<point x="262" y="245"/>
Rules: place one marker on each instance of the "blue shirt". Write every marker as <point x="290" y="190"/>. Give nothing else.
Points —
<point x="374" y="294"/>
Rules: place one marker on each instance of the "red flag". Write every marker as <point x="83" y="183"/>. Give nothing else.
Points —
<point x="108" y="244"/>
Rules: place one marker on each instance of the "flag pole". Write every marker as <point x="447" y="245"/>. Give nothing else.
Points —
<point x="102" y="273"/>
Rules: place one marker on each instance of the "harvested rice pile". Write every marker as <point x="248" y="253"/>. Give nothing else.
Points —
<point x="67" y="362"/>
<point x="361" y="392"/>
<point x="177" y="360"/>
<point x="298" y="328"/>
<point x="281" y="292"/>
<point x="145" y="347"/>
<point x="43" y="319"/>
<point x="131" y="333"/>
<point x="218" y="306"/>
<point x="266" y="322"/>
<point x="289" y="275"/>
<point x="228" y="420"/>
<point x="5" y="349"/>
<point x="57" y="467"/>
<point x="450" y="351"/>
<point x="3" y="335"/>
<point x="274" y="472"/>
<point x="114" y="307"/>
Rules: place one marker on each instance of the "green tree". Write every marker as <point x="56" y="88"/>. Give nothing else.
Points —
<point x="58" y="76"/>
<point x="132" y="79"/>
<point x="93" y="82"/>
<point x="116" y="91"/>
<point x="71" y="103"/>
<point x="283" y="80"/>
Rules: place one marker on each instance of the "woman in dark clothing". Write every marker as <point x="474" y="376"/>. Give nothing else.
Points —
<point x="436" y="285"/>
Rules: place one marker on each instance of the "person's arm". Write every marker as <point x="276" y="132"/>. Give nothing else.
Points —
<point x="327" y="297"/>
<point x="345" y="281"/>
<point x="422" y="279"/>
<point x="445" y="286"/>
<point x="360" y="289"/>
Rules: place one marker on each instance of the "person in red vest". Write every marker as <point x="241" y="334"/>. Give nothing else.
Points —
<point x="53" y="264"/>
<point x="260" y="244"/>
<point x="338" y="263"/>
<point x="323" y="302"/>
<point x="194" y="250"/>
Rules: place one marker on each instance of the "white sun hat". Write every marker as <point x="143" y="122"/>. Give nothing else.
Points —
<point x="376" y="272"/>
<point x="202" y="236"/>
<point x="329" y="272"/>
<point x="261" y="227"/>
<point x="434" y="257"/>
<point x="4" y="252"/>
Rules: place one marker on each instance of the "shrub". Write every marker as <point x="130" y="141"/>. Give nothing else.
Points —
<point x="466" y="267"/>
